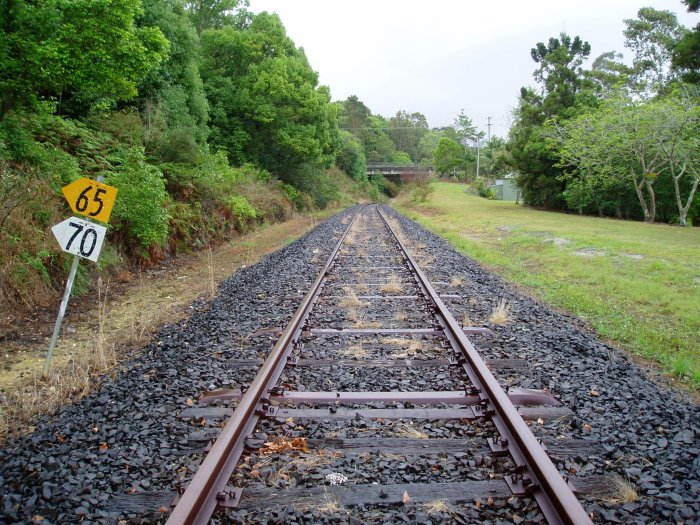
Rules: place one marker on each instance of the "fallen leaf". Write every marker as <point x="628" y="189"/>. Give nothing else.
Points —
<point x="164" y="509"/>
<point x="95" y="429"/>
<point x="595" y="393"/>
<point x="489" y="501"/>
<point x="60" y="438"/>
<point x="103" y="447"/>
<point x="38" y="519"/>
<point x="189" y="402"/>
<point x="587" y="427"/>
<point x="540" y="421"/>
<point x="406" y="498"/>
<point x="477" y="503"/>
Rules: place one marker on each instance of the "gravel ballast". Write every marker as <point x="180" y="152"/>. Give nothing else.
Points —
<point x="128" y="436"/>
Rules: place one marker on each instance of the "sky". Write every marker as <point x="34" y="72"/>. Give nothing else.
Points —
<point x="438" y="57"/>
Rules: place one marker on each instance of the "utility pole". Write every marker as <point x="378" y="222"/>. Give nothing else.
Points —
<point x="489" y="127"/>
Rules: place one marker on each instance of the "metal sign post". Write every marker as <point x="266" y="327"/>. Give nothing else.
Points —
<point x="61" y="313"/>
<point x="81" y="237"/>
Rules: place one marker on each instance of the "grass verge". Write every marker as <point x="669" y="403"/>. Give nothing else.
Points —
<point x="636" y="284"/>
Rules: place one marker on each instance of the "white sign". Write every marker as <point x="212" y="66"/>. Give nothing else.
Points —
<point x="80" y="237"/>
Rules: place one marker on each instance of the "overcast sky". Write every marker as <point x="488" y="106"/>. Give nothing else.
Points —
<point x="437" y="57"/>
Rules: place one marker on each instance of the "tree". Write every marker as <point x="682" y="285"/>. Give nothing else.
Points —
<point x="83" y="54"/>
<point x="448" y="156"/>
<point x="427" y="146"/>
<point x="633" y="141"/>
<point x="466" y="130"/>
<point x="351" y="157"/>
<point x="680" y="145"/>
<point x="171" y="96"/>
<point x="405" y="130"/>
<point x="652" y="37"/>
<point x="215" y="14"/>
<point x="686" y="53"/>
<point x="266" y="106"/>
<point x="559" y="71"/>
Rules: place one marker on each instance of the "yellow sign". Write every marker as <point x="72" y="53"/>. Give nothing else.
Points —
<point x="94" y="199"/>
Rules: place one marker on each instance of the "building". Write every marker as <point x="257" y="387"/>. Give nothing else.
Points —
<point x="505" y="189"/>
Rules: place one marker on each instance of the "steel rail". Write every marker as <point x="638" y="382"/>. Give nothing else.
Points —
<point x="207" y="488"/>
<point x="552" y="493"/>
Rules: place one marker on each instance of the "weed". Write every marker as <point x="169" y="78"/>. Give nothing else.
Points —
<point x="466" y="321"/>
<point x="402" y="429"/>
<point x="393" y="285"/>
<point x="500" y="314"/>
<point x="350" y="300"/>
<point x="621" y="491"/>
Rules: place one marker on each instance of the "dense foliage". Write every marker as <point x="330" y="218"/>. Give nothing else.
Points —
<point x="206" y="117"/>
<point x="615" y="140"/>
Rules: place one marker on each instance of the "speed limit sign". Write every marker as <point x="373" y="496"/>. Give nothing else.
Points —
<point x="88" y="197"/>
<point x="80" y="237"/>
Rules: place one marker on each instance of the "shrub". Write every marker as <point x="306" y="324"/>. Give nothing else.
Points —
<point x="391" y="189"/>
<point x="139" y="215"/>
<point x="243" y="212"/>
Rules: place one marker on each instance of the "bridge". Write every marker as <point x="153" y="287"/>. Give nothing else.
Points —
<point x="398" y="172"/>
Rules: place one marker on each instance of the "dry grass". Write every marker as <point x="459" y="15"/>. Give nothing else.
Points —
<point x="621" y="491"/>
<point x="438" y="506"/>
<point x="456" y="282"/>
<point x="361" y="323"/>
<point x="409" y="431"/>
<point x="356" y="350"/>
<point x="350" y="300"/>
<point x="66" y="383"/>
<point x="466" y="321"/>
<point x="425" y="260"/>
<point x="472" y="301"/>
<point x="400" y="316"/>
<point x="500" y="314"/>
<point x="409" y="347"/>
<point x="330" y="505"/>
<point x="393" y="285"/>
<point x="212" y="281"/>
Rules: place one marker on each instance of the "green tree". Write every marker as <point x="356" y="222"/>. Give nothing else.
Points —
<point x="83" y="54"/>
<point x="266" y="106"/>
<point x="351" y="157"/>
<point x="448" y="156"/>
<point x="406" y="130"/>
<point x="633" y="141"/>
<point x="561" y="81"/>
<point x="652" y="37"/>
<point x="215" y="14"/>
<point x="686" y="53"/>
<point x="172" y="98"/>
<point x="427" y="146"/>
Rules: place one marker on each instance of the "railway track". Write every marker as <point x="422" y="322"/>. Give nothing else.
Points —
<point x="417" y="387"/>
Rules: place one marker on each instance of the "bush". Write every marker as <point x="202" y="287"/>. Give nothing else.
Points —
<point x="391" y="189"/>
<point x="312" y="180"/>
<point x="243" y="212"/>
<point x="421" y="192"/>
<point x="483" y="190"/>
<point x="139" y="215"/>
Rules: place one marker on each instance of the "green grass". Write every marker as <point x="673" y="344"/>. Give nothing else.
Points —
<point x="639" y="286"/>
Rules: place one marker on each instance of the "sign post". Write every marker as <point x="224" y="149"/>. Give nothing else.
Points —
<point x="81" y="237"/>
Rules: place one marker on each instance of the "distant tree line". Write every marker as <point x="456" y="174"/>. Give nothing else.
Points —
<point x="614" y="140"/>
